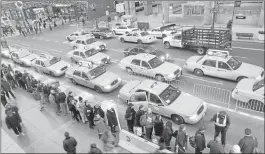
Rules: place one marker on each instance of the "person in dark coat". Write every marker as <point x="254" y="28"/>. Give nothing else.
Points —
<point x="62" y="101"/>
<point x="69" y="98"/>
<point x="18" y="78"/>
<point x="13" y="121"/>
<point x="50" y="26"/>
<point x="44" y="24"/>
<point x="6" y="87"/>
<point x="10" y="80"/>
<point x="248" y="143"/>
<point x="200" y="141"/>
<point x="158" y="125"/>
<point x="181" y="139"/>
<point x="69" y="144"/>
<point x="167" y="134"/>
<point x="54" y="24"/>
<point x="11" y="108"/>
<point x="130" y="117"/>
<point x="98" y="110"/>
<point x="76" y="114"/>
<point x="112" y="119"/>
<point x="89" y="113"/>
<point x="3" y="98"/>
<point x="94" y="149"/>
<point x="216" y="146"/>
<point x="138" y="115"/>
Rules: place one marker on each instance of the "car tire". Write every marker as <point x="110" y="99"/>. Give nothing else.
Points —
<point x="69" y="39"/>
<point x="101" y="37"/>
<point x="177" y="119"/>
<point x="51" y="73"/>
<point x="201" y="51"/>
<point x="255" y="103"/>
<point x="102" y="47"/>
<point x="73" y="81"/>
<point x="129" y="70"/>
<point x="139" y="41"/>
<point x="167" y="45"/>
<point x="74" y="47"/>
<point x="160" y="77"/>
<point x="240" y="78"/>
<point x="126" y="32"/>
<point x="198" y="72"/>
<point x="122" y="40"/>
<point x="114" y="32"/>
<point x="98" y="90"/>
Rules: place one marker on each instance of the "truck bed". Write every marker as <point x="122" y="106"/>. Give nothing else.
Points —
<point x="206" y="37"/>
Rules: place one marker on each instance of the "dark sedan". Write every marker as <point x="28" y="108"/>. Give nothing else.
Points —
<point x="146" y="49"/>
<point x="102" y="33"/>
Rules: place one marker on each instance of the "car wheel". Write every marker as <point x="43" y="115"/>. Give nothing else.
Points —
<point x="160" y="77"/>
<point x="240" y="78"/>
<point x="73" y="81"/>
<point x="74" y="47"/>
<point x="198" y="72"/>
<point x="139" y="41"/>
<point x="69" y="39"/>
<point x="97" y="89"/>
<point x="101" y="37"/>
<point x="51" y="73"/>
<point x="201" y="51"/>
<point x="114" y="32"/>
<point x="167" y="45"/>
<point x="256" y="105"/>
<point x="126" y="32"/>
<point x="102" y="47"/>
<point x="122" y="40"/>
<point x="177" y="119"/>
<point x="129" y="70"/>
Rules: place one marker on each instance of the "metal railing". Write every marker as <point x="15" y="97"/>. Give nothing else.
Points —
<point x="253" y="105"/>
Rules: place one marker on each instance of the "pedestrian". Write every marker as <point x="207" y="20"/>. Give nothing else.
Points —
<point x="100" y="125"/>
<point x="10" y="69"/>
<point x="70" y="19"/>
<point x="3" y="98"/>
<point x="248" y="144"/>
<point x="24" y="79"/>
<point x="130" y="117"/>
<point x="24" y="33"/>
<point x="13" y="121"/>
<point x="53" y="101"/>
<point x="112" y="119"/>
<point x="147" y="120"/>
<point x="235" y="149"/>
<point x="57" y="100"/>
<point x="42" y="96"/>
<point x="44" y="24"/>
<point x="89" y="113"/>
<point x="69" y="98"/>
<point x="36" y="29"/>
<point x="158" y="125"/>
<point x="10" y="80"/>
<point x="54" y="24"/>
<point x="11" y="108"/>
<point x="200" y="141"/>
<point x="216" y="146"/>
<point x="181" y="142"/>
<point x="138" y="115"/>
<point x="80" y="106"/>
<point x="31" y="29"/>
<point x="69" y="144"/>
<point x="94" y="149"/>
<point x="6" y="87"/>
<point x="83" y="21"/>
<point x="167" y="134"/>
<point x="62" y="102"/>
<point x="109" y="142"/>
<point x="222" y="123"/>
<point x="98" y="110"/>
<point x="50" y="26"/>
<point x="64" y="18"/>
<point x="18" y="78"/>
<point x="76" y="114"/>
<point x="11" y="31"/>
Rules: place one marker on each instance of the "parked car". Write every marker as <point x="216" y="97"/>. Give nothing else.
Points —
<point x="88" y="43"/>
<point x="137" y="37"/>
<point x="102" y="33"/>
<point x="94" y="76"/>
<point x="90" y="55"/>
<point x="219" y="63"/>
<point x="51" y="65"/>
<point x="78" y="34"/>
<point x="23" y="57"/>
<point x="123" y="30"/>
<point x="152" y="66"/>
<point x="134" y="50"/>
<point x="6" y="52"/>
<point x="164" y="99"/>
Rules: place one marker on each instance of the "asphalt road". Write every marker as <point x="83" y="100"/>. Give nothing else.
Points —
<point x="56" y="44"/>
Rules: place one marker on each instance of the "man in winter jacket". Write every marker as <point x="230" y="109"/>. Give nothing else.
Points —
<point x="130" y="117"/>
<point x="147" y="120"/>
<point x="13" y="121"/>
<point x="69" y="144"/>
<point x="167" y="134"/>
<point x="88" y="110"/>
<point x="62" y="101"/>
<point x="181" y="139"/>
<point x="138" y="115"/>
<point x="200" y="141"/>
<point x="98" y="110"/>
<point x="94" y="149"/>
<point x="248" y="143"/>
<point x="112" y="119"/>
<point x="216" y="146"/>
<point x="6" y="87"/>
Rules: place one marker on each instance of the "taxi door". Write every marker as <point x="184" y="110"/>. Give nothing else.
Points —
<point x="209" y="67"/>
<point x="137" y="99"/>
<point x="224" y="71"/>
<point x="154" y="103"/>
<point x="145" y="69"/>
<point x="176" y="41"/>
<point x="86" y="80"/>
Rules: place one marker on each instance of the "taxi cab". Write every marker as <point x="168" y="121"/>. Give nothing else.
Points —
<point x="51" y="65"/>
<point x="164" y="99"/>
<point x="89" y="43"/>
<point x="219" y="63"/>
<point x="250" y="91"/>
<point x="6" y="52"/>
<point x="75" y="35"/>
<point x="23" y="57"/>
<point x="137" y="37"/>
<point x="90" y="55"/>
<point x="93" y="76"/>
<point x="152" y="66"/>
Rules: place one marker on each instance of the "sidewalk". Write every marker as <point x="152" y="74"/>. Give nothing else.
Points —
<point x="8" y="145"/>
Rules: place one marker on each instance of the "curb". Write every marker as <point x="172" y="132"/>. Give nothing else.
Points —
<point x="249" y="41"/>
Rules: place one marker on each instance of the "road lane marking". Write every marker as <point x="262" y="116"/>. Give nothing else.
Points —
<point x="249" y="48"/>
<point x="196" y="78"/>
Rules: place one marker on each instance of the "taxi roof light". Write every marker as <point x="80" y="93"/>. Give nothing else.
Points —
<point x="218" y="53"/>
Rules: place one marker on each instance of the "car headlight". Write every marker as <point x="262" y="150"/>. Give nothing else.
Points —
<point x="162" y="58"/>
<point x="171" y="75"/>
<point x="58" y="71"/>
<point x="97" y="48"/>
<point x="107" y="87"/>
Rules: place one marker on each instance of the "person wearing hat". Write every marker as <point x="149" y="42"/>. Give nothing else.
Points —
<point x="248" y="144"/>
<point x="222" y="123"/>
<point x="94" y="149"/>
<point x="69" y="143"/>
<point x="216" y="146"/>
<point x="200" y="141"/>
<point x="98" y="110"/>
<point x="235" y="149"/>
<point x="138" y="115"/>
<point x="181" y="139"/>
<point x="130" y="117"/>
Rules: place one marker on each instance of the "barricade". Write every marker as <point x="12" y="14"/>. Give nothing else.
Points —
<point x="212" y="93"/>
<point x="253" y="105"/>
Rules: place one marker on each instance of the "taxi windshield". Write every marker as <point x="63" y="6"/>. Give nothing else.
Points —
<point x="91" y="52"/>
<point x="234" y="63"/>
<point x="258" y="85"/>
<point x="170" y="94"/>
<point x="96" y="72"/>
<point x="155" y="62"/>
<point x="144" y="33"/>
<point x="90" y="41"/>
<point x="51" y="61"/>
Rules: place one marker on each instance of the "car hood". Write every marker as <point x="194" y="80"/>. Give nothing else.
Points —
<point x="250" y="70"/>
<point x="167" y="68"/>
<point x="246" y="84"/>
<point x="105" y="79"/>
<point x="193" y="59"/>
<point x="58" y="66"/>
<point x="30" y="57"/>
<point x="187" y="104"/>
<point x="97" y="57"/>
